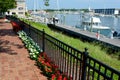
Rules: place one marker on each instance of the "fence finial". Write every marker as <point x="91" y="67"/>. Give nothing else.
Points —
<point x="86" y="49"/>
<point x="43" y="30"/>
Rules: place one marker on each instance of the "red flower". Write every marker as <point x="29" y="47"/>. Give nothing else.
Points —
<point x="65" y="78"/>
<point x="57" y="72"/>
<point x="54" y="66"/>
<point x="42" y="62"/>
<point x="48" y="69"/>
<point x="40" y="59"/>
<point x="43" y="54"/>
<point x="48" y="60"/>
<point x="48" y="64"/>
<point x="53" y="76"/>
<point x="59" y="77"/>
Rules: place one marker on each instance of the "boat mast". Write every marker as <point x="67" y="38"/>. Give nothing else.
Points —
<point x="91" y="17"/>
<point x="91" y="24"/>
<point x="57" y="5"/>
<point x="34" y="8"/>
<point x="89" y="6"/>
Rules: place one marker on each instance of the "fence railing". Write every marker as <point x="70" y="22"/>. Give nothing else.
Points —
<point x="96" y="70"/>
<point x="77" y="64"/>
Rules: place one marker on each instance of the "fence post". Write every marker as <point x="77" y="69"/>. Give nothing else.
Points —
<point x="118" y="57"/>
<point x="29" y="29"/>
<point x="84" y="64"/>
<point x="43" y="41"/>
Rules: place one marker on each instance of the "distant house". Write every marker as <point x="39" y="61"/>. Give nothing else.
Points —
<point x="108" y="11"/>
<point x="19" y="10"/>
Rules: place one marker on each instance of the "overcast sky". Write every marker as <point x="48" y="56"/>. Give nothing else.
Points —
<point x="77" y="4"/>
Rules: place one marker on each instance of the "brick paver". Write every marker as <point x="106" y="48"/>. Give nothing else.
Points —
<point x="15" y="63"/>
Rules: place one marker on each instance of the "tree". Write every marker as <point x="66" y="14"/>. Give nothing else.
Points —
<point x="5" y="5"/>
<point x="46" y="2"/>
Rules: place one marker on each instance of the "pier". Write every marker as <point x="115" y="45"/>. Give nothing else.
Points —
<point x="87" y="35"/>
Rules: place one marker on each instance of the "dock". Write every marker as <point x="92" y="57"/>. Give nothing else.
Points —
<point x="90" y="36"/>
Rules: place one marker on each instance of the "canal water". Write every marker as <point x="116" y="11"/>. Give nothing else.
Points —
<point x="74" y="20"/>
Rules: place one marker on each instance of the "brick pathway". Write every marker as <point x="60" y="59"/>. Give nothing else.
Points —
<point x="15" y="63"/>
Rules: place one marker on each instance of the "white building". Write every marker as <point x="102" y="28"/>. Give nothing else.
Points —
<point x="20" y="9"/>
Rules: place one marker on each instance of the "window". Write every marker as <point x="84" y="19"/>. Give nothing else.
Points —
<point x="20" y="8"/>
<point x="13" y="13"/>
<point x="20" y="12"/>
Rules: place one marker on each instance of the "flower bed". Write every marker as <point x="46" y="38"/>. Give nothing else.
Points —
<point x="50" y="69"/>
<point x="16" y="26"/>
<point x="43" y="61"/>
<point x="32" y="47"/>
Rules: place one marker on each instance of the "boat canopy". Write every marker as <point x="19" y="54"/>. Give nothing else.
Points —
<point x="93" y="19"/>
<point x="95" y="22"/>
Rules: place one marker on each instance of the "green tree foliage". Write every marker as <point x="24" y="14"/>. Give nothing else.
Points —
<point x="46" y="2"/>
<point x="5" y="5"/>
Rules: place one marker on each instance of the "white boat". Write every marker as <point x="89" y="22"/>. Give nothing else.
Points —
<point x="93" y="23"/>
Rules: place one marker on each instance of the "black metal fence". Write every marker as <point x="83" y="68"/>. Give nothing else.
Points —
<point x="77" y="64"/>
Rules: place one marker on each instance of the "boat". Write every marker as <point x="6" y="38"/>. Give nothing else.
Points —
<point x="93" y="23"/>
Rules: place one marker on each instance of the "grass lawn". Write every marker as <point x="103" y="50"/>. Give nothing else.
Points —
<point x="93" y="49"/>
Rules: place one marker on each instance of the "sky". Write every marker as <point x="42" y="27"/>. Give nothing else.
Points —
<point x="73" y="4"/>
